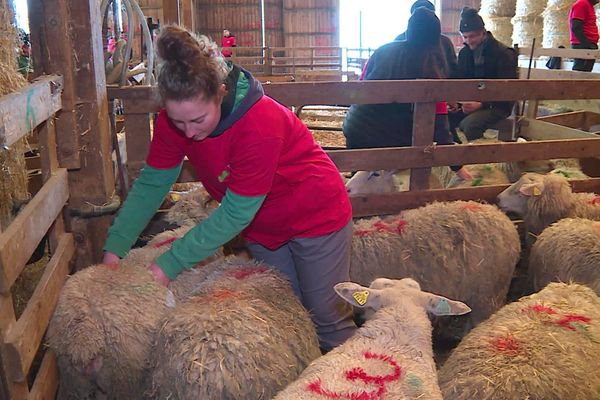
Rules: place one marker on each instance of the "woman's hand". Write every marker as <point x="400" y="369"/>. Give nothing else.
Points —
<point x="471" y="106"/>
<point x="110" y="259"/>
<point x="464" y="174"/>
<point x="159" y="275"/>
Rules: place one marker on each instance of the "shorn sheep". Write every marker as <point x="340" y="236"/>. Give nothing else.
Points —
<point x="242" y="334"/>
<point x="544" y="199"/>
<point x="463" y="250"/>
<point x="542" y="347"/>
<point x="567" y="251"/>
<point x="389" y="357"/>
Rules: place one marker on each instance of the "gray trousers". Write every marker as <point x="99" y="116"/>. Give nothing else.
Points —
<point x="474" y="124"/>
<point x="313" y="266"/>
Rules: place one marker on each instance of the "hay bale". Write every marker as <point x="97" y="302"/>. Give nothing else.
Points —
<point x="243" y="335"/>
<point x="501" y="28"/>
<point x="567" y="251"/>
<point x="462" y="250"/>
<point x="544" y="346"/>
<point x="497" y="8"/>
<point x="103" y="330"/>
<point x="556" y="24"/>
<point x="527" y="28"/>
<point x="529" y="8"/>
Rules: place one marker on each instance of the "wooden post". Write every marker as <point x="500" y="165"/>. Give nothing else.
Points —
<point x="423" y="125"/>
<point x="53" y="54"/>
<point x="67" y="40"/>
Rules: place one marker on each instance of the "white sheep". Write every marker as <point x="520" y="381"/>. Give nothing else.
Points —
<point x="544" y="199"/>
<point x="463" y="250"/>
<point x="384" y="181"/>
<point x="390" y="356"/>
<point x="544" y="346"/>
<point x="567" y="251"/>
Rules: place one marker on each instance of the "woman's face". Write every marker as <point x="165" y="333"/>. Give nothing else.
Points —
<point x="196" y="118"/>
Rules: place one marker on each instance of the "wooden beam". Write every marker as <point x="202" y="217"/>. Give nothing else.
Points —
<point x="24" y="337"/>
<point x="22" y="111"/>
<point x="392" y="203"/>
<point x="538" y="73"/>
<point x="53" y="52"/>
<point x="48" y="148"/>
<point x="541" y="130"/>
<point x="46" y="380"/>
<point x="137" y="137"/>
<point x="565" y="53"/>
<point x="431" y="156"/>
<point x="574" y="119"/>
<point x="21" y="238"/>
<point x="417" y="91"/>
<point x="186" y="14"/>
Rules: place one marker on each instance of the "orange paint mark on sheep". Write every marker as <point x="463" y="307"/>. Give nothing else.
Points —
<point x="396" y="227"/>
<point x="508" y="345"/>
<point x="245" y="272"/>
<point x="223" y="294"/>
<point x="475" y="207"/>
<point x="164" y="242"/>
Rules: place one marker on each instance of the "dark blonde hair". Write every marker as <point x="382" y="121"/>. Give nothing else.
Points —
<point x="191" y="65"/>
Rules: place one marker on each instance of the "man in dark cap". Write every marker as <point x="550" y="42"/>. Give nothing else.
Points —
<point x="583" y="31"/>
<point x="482" y="57"/>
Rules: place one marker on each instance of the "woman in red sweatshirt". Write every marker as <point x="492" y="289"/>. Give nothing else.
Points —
<point x="276" y="186"/>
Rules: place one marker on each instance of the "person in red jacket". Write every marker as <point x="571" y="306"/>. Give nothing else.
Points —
<point x="583" y="31"/>
<point x="276" y="185"/>
<point x="228" y="40"/>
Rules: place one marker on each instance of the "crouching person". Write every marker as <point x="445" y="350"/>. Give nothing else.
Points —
<point x="276" y="186"/>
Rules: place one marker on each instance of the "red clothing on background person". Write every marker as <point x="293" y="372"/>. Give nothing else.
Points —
<point x="584" y="11"/>
<point x="228" y="40"/>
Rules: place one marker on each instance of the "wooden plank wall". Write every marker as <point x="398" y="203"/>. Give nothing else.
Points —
<point x="20" y="339"/>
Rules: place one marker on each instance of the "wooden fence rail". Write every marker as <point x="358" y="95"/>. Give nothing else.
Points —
<point x="20" y="339"/>
<point x="424" y="154"/>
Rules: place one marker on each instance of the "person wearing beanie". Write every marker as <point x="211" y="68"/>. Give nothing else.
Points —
<point x="420" y="56"/>
<point x="481" y="57"/>
<point x="583" y="31"/>
<point x="447" y="44"/>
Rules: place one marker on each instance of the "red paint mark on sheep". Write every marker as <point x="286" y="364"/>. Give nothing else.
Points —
<point x="595" y="200"/>
<point x="396" y="227"/>
<point x="566" y="321"/>
<point x="357" y="373"/>
<point x="539" y="308"/>
<point x="508" y="345"/>
<point x="164" y="242"/>
<point x="244" y="273"/>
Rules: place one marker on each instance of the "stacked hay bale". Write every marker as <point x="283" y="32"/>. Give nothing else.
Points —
<point x="528" y="22"/>
<point x="497" y="15"/>
<point x="13" y="179"/>
<point x="556" y="23"/>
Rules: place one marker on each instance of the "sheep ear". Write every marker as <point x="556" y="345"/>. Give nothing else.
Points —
<point x="440" y="305"/>
<point x="532" y="189"/>
<point x="358" y="296"/>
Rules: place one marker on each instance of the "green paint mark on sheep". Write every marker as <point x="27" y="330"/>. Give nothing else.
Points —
<point x="414" y="381"/>
<point x="476" y="182"/>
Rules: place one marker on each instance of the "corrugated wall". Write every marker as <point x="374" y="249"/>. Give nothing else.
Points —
<point x="243" y="19"/>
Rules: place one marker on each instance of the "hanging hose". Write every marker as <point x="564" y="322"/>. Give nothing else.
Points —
<point x="132" y="8"/>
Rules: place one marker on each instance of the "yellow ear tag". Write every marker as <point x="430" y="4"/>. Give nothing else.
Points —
<point x="361" y="297"/>
<point x="536" y="191"/>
